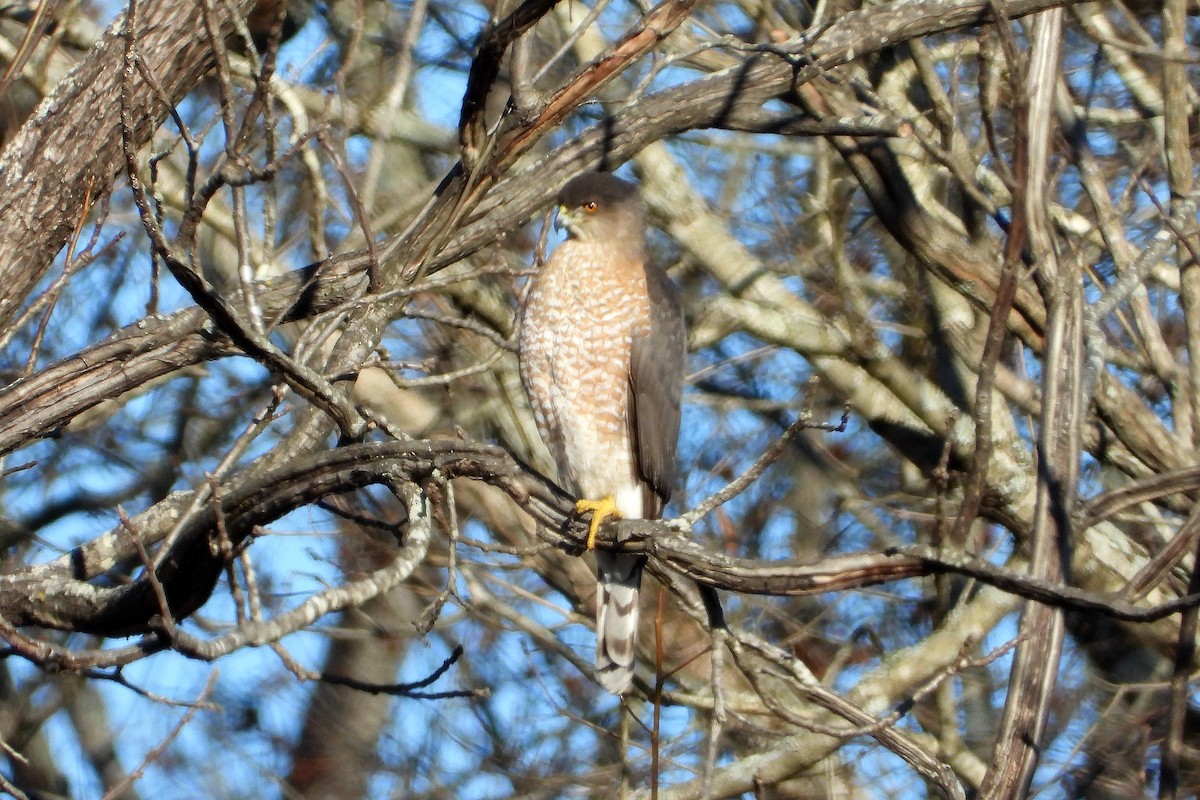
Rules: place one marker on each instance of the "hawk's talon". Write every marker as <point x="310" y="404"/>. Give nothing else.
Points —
<point x="602" y="509"/>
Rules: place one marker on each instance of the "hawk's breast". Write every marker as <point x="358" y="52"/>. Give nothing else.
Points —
<point x="576" y="338"/>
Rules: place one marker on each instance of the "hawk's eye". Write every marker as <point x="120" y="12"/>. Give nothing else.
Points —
<point x="590" y="206"/>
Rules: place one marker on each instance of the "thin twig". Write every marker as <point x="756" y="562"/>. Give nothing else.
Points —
<point x="160" y="593"/>
<point x="769" y="457"/>
<point x="1185" y="654"/>
<point x="157" y="752"/>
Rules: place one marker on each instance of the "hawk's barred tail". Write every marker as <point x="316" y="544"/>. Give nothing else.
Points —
<point x="619" y="576"/>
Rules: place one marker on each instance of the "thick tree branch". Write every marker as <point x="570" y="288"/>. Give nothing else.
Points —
<point x="46" y="181"/>
<point x="51" y="595"/>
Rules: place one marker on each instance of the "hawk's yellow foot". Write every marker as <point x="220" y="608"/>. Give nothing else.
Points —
<point x="602" y="509"/>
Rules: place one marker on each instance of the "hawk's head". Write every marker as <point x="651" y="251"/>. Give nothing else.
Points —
<point x="598" y="205"/>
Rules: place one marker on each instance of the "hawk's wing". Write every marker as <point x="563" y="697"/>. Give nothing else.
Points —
<point x="656" y="381"/>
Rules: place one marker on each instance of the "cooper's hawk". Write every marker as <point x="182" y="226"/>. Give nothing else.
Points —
<point x="602" y="356"/>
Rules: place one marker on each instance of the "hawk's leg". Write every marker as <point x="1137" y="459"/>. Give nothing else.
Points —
<point x="602" y="509"/>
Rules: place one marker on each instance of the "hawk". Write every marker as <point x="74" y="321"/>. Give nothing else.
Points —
<point x="602" y="351"/>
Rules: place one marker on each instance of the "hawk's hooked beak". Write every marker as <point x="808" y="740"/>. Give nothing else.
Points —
<point x="568" y="219"/>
